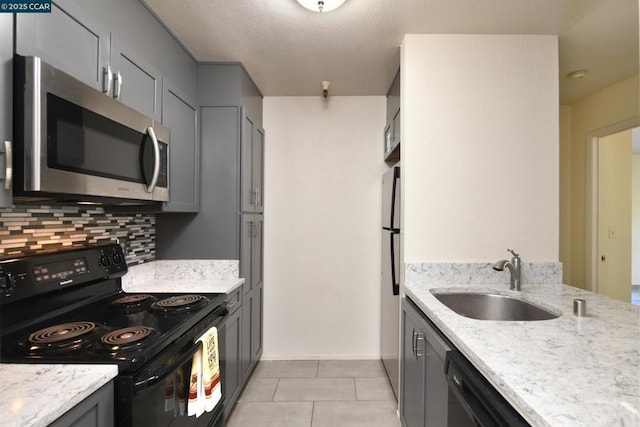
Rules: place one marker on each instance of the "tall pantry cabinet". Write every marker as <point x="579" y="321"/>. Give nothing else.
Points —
<point x="229" y="224"/>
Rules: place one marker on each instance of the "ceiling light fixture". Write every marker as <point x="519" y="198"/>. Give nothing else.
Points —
<point x="325" y="87"/>
<point x="577" y="75"/>
<point x="321" y="5"/>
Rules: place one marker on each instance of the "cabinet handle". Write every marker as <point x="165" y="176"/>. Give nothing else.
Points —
<point x="417" y="336"/>
<point x="117" y="87"/>
<point x="254" y="196"/>
<point x="107" y="79"/>
<point x="8" y="167"/>
<point x="257" y="197"/>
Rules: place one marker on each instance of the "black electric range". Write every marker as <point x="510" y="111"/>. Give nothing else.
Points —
<point x="69" y="307"/>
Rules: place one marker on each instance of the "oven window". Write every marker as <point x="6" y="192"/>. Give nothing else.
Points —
<point x="82" y="141"/>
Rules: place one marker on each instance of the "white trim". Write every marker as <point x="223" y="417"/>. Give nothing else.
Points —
<point x="592" y="196"/>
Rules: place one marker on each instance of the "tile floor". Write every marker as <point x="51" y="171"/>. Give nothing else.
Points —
<point x="312" y="393"/>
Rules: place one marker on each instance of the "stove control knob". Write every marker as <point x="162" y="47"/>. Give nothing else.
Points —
<point x="104" y="261"/>
<point x="117" y="258"/>
<point x="7" y="281"/>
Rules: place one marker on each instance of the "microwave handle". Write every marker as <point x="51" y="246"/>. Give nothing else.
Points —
<point x="156" y="162"/>
<point x="8" y="168"/>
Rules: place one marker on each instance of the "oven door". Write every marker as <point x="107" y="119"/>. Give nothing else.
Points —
<point x="158" y="395"/>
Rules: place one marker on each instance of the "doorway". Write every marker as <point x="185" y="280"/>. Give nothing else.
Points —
<point x="614" y="238"/>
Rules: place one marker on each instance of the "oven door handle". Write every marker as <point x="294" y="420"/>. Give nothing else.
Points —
<point x="156" y="378"/>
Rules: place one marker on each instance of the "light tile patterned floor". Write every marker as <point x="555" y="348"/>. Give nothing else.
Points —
<point x="312" y="393"/>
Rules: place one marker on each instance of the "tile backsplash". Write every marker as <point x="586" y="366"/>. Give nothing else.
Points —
<point x="29" y="229"/>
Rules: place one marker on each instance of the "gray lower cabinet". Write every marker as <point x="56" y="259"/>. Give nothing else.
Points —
<point x="251" y="268"/>
<point x="424" y="396"/>
<point x="231" y="375"/>
<point x="180" y="115"/>
<point x="251" y="331"/>
<point x="6" y="108"/>
<point x="95" y="411"/>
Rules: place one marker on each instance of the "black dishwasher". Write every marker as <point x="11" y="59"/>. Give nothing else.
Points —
<point x="472" y="400"/>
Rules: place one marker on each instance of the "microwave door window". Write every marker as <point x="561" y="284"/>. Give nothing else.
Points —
<point x="70" y="150"/>
<point x="85" y="142"/>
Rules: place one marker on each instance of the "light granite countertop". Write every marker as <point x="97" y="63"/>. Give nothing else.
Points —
<point x="569" y="371"/>
<point x="184" y="276"/>
<point x="36" y="395"/>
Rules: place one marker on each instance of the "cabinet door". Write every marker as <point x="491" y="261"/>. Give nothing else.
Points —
<point x="257" y="169"/>
<point x="94" y="411"/>
<point x="256" y="324"/>
<point x="245" y="345"/>
<point x="231" y="371"/>
<point x="247" y="189"/>
<point x="135" y="82"/>
<point x="257" y="251"/>
<point x="67" y="39"/>
<point x="6" y="107"/>
<point x="412" y="404"/>
<point x="180" y="115"/>
<point x="247" y="229"/>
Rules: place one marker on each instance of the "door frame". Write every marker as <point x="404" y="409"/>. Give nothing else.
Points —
<point x="592" y="195"/>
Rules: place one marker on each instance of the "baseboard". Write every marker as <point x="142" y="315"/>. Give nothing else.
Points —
<point x="319" y="357"/>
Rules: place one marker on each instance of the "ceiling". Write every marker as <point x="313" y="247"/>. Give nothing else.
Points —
<point x="289" y="50"/>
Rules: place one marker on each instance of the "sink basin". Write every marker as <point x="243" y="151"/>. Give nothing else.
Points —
<point x="487" y="306"/>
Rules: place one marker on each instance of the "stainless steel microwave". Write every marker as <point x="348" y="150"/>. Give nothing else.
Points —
<point x="76" y="143"/>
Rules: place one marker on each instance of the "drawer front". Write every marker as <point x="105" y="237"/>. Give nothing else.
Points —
<point x="234" y="299"/>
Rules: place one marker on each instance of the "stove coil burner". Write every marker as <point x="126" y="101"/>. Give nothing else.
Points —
<point x="132" y="303"/>
<point x="126" y="339"/>
<point x="180" y="303"/>
<point x="62" y="338"/>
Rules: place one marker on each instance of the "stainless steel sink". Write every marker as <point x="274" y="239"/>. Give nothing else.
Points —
<point x="488" y="306"/>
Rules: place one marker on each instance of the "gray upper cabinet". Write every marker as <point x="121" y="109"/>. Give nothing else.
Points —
<point x="392" y="129"/>
<point x="180" y="115"/>
<point x="119" y="48"/>
<point x="6" y="108"/>
<point x="67" y="39"/>
<point x="74" y="42"/>
<point x="135" y="82"/>
<point x="252" y="157"/>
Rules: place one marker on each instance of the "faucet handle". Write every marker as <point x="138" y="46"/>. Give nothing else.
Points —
<point x="514" y="254"/>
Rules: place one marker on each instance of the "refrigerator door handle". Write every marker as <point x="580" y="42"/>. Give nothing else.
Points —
<point x="395" y="285"/>
<point x="394" y="195"/>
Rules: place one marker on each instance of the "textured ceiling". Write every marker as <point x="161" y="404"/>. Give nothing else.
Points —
<point x="289" y="50"/>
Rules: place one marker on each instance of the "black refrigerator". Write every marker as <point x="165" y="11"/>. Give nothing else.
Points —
<point x="390" y="283"/>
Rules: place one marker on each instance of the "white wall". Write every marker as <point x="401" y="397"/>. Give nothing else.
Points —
<point x="614" y="215"/>
<point x="609" y="106"/>
<point x="323" y="168"/>
<point x="480" y="147"/>
<point x="635" y="218"/>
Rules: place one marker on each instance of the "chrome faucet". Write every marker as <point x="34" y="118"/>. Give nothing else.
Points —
<point x="514" y="267"/>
